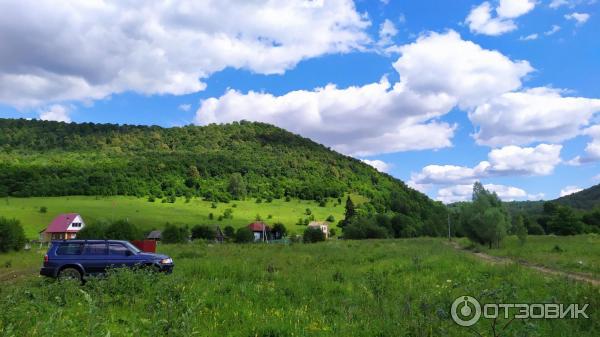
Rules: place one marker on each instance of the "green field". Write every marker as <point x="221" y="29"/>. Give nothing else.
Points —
<point x="579" y="253"/>
<point x="336" y="288"/>
<point x="150" y="215"/>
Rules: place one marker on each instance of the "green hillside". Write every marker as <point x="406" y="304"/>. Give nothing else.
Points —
<point x="215" y="163"/>
<point x="147" y="215"/>
<point x="586" y="199"/>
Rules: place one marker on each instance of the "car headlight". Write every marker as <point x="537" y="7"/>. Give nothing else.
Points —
<point x="166" y="261"/>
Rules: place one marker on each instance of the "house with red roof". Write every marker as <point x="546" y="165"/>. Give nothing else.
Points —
<point x="261" y="230"/>
<point x="63" y="227"/>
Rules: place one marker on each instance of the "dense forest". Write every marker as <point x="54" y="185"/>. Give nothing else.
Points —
<point x="214" y="162"/>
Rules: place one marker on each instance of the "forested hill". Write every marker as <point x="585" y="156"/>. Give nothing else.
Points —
<point x="585" y="199"/>
<point x="216" y="162"/>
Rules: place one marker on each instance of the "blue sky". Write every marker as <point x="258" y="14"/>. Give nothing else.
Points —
<point x="437" y="93"/>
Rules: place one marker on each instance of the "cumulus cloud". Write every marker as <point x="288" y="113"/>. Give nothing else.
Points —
<point x="380" y="165"/>
<point x="437" y="73"/>
<point x="592" y="149"/>
<point x="558" y="3"/>
<point x="464" y="193"/>
<point x="534" y="115"/>
<point x="81" y="50"/>
<point x="553" y="30"/>
<point x="387" y="31"/>
<point x="569" y="190"/>
<point x="184" y="107"/>
<point x="506" y="161"/>
<point x="58" y="113"/>
<point x="529" y="37"/>
<point x="481" y="19"/>
<point x="579" y="18"/>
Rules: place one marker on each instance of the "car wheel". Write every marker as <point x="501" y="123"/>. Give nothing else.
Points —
<point x="70" y="274"/>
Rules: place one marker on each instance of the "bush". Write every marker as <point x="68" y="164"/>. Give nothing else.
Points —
<point x="123" y="230"/>
<point x="43" y="209"/>
<point x="229" y="231"/>
<point x="535" y="229"/>
<point x="279" y="231"/>
<point x="203" y="232"/>
<point x="151" y="199"/>
<point x="175" y="234"/>
<point x="116" y="230"/>
<point x="313" y="234"/>
<point x="12" y="236"/>
<point x="330" y="218"/>
<point x="244" y="235"/>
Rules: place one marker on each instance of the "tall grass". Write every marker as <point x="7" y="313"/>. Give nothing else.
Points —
<point x="367" y="288"/>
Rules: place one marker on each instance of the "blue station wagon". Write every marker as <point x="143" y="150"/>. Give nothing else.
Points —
<point x="75" y="259"/>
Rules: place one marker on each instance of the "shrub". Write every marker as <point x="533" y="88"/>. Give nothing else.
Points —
<point x="259" y="200"/>
<point x="308" y="211"/>
<point x="123" y="230"/>
<point x="270" y="199"/>
<point x="332" y="232"/>
<point x="535" y="229"/>
<point x="330" y="218"/>
<point x="175" y="234"/>
<point x="229" y="231"/>
<point x="211" y="216"/>
<point x="323" y="203"/>
<point x="203" y="232"/>
<point x="43" y="209"/>
<point x="213" y="205"/>
<point x="12" y="236"/>
<point x="313" y="234"/>
<point x="287" y="198"/>
<point x="279" y="231"/>
<point x="228" y="214"/>
<point x="244" y="235"/>
<point x="151" y="199"/>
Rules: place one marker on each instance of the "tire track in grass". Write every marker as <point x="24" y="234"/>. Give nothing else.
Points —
<point x="542" y="269"/>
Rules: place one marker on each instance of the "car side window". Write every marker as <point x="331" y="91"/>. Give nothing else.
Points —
<point x="95" y="248"/>
<point x="117" y="249"/>
<point x="70" y="249"/>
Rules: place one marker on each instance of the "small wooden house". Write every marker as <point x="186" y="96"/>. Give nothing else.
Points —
<point x="63" y="227"/>
<point x="322" y="225"/>
<point x="261" y="231"/>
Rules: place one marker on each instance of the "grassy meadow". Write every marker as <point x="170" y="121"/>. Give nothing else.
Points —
<point x="578" y="253"/>
<point x="150" y="215"/>
<point x="336" y="288"/>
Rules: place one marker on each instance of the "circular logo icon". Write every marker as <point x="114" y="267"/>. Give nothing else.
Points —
<point x="466" y="311"/>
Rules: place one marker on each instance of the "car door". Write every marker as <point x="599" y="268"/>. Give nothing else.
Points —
<point x="95" y="257"/>
<point x="119" y="255"/>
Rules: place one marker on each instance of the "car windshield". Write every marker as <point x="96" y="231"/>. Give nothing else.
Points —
<point x="132" y="247"/>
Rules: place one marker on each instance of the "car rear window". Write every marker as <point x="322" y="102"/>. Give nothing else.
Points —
<point x="69" y="249"/>
<point x="95" y="248"/>
<point x="117" y="249"/>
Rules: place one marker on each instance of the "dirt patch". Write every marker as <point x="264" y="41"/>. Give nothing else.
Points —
<point x="541" y="269"/>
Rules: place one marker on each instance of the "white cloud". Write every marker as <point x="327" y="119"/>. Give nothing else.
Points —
<point x="445" y="63"/>
<point x="56" y="112"/>
<point x="481" y="19"/>
<point x="514" y="8"/>
<point x="534" y="115"/>
<point x="184" y="107"/>
<point x="570" y="190"/>
<point x="514" y="160"/>
<point x="592" y="149"/>
<point x="529" y="37"/>
<point x="464" y="192"/>
<point x="437" y="72"/>
<point x="506" y="161"/>
<point x="387" y="31"/>
<point x="82" y="50"/>
<point x="380" y="165"/>
<point x="374" y="118"/>
<point x="580" y="18"/>
<point x="553" y="30"/>
<point x="558" y="3"/>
